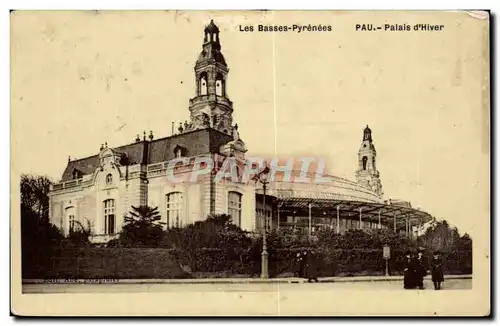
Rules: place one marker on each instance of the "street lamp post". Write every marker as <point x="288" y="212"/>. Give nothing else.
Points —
<point x="338" y="219"/>
<point x="264" y="271"/>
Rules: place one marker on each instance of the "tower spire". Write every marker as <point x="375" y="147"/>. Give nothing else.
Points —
<point x="367" y="174"/>
<point x="211" y="33"/>
<point x="367" y="134"/>
<point x="211" y="106"/>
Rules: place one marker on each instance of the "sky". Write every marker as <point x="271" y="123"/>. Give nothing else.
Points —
<point x="80" y="79"/>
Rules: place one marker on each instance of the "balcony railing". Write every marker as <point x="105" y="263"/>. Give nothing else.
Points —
<point x="216" y="98"/>
<point x="68" y="184"/>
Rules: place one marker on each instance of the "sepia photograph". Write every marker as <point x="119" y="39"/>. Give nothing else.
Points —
<point x="269" y="163"/>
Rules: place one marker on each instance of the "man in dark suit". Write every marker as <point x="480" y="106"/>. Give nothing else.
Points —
<point x="437" y="270"/>
<point x="311" y="267"/>
<point x="299" y="260"/>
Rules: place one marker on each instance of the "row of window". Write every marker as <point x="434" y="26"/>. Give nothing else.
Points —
<point x="173" y="211"/>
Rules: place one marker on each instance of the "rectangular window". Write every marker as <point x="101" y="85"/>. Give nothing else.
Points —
<point x="71" y="220"/>
<point x="109" y="216"/>
<point x="174" y="209"/>
<point x="234" y="207"/>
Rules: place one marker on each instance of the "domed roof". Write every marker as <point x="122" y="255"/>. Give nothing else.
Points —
<point x="211" y="46"/>
<point x="212" y="28"/>
<point x="367" y="134"/>
<point x="211" y="54"/>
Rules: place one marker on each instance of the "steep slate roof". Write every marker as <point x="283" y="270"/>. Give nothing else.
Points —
<point x="197" y="142"/>
<point x="86" y="166"/>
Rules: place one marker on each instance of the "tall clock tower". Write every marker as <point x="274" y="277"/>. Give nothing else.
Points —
<point x="211" y="106"/>
<point x="367" y="174"/>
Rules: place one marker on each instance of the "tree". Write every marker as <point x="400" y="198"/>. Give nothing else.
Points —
<point x="34" y="194"/>
<point x="38" y="235"/>
<point x="440" y="237"/>
<point x="143" y="227"/>
<point x="36" y="230"/>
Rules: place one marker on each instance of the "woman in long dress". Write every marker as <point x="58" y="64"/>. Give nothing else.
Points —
<point x="409" y="272"/>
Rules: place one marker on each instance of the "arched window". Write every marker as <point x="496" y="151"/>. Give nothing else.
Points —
<point x="365" y="160"/>
<point x="109" y="216"/>
<point x="234" y="207"/>
<point x="174" y="209"/>
<point x="70" y="219"/>
<point x="203" y="84"/>
<point x="109" y="179"/>
<point x="219" y="85"/>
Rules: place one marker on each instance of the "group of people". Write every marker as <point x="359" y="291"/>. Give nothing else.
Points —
<point x="416" y="269"/>
<point x="307" y="266"/>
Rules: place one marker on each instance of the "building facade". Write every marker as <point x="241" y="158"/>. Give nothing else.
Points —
<point x="96" y="192"/>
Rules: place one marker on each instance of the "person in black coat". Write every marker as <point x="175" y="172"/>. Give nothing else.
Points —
<point x="299" y="259"/>
<point x="303" y="263"/>
<point x="311" y="267"/>
<point x="437" y="270"/>
<point x="409" y="271"/>
<point x="420" y="270"/>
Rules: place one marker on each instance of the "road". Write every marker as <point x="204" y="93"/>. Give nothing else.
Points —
<point x="453" y="284"/>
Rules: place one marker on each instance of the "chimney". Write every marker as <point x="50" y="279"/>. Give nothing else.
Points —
<point x="137" y="138"/>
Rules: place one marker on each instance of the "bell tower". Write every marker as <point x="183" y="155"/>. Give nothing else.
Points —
<point x="367" y="174"/>
<point x="211" y="107"/>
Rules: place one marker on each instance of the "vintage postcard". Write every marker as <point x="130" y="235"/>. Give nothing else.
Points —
<point x="250" y="163"/>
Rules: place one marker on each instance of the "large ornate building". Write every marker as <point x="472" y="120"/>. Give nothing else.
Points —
<point x="99" y="190"/>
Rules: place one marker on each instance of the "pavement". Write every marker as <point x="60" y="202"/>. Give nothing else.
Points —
<point x="326" y="288"/>
<point x="233" y="280"/>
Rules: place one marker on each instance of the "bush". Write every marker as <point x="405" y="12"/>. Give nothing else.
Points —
<point x="143" y="228"/>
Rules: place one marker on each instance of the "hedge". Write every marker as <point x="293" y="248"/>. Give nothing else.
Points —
<point x="122" y="263"/>
<point x="150" y="263"/>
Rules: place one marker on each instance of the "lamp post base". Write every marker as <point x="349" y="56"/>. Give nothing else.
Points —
<point x="264" y="268"/>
